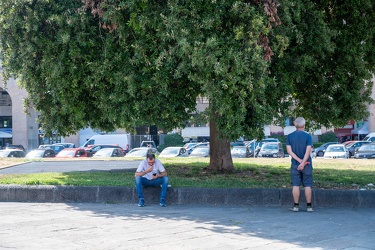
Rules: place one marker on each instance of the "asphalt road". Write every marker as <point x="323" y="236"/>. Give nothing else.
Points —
<point x="69" y="166"/>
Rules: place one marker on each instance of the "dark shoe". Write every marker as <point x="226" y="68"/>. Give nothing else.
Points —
<point x="310" y="209"/>
<point x="141" y="202"/>
<point x="163" y="203"/>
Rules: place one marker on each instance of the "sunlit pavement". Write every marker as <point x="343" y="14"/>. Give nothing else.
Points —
<point x="126" y="226"/>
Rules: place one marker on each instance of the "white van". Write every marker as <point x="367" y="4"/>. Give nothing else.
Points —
<point x="118" y="139"/>
<point x="369" y="137"/>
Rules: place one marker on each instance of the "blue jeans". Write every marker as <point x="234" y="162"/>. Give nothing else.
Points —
<point x="144" y="182"/>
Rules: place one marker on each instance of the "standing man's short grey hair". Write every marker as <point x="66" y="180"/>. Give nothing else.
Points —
<point x="299" y="122"/>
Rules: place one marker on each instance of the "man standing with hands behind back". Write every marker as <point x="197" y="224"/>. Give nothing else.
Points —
<point x="298" y="145"/>
<point x="151" y="173"/>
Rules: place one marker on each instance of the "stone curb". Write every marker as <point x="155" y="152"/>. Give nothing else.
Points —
<point x="182" y="196"/>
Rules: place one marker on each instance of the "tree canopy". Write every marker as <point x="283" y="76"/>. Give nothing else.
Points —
<point x="121" y="63"/>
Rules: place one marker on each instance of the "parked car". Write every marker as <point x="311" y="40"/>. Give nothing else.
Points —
<point x="56" y="148"/>
<point x="72" y="153"/>
<point x="92" y="150"/>
<point x="41" y="153"/>
<point x="114" y="139"/>
<point x="370" y="137"/>
<point x="366" y="151"/>
<point x="237" y="143"/>
<point x="148" y="144"/>
<point x="109" y="152"/>
<point x="262" y="142"/>
<point x="200" y="152"/>
<point x="142" y="152"/>
<point x="335" y="151"/>
<point x="201" y="144"/>
<point x="352" y="147"/>
<point x="252" y="145"/>
<point x="240" y="152"/>
<point x="319" y="151"/>
<point x="272" y="149"/>
<point x="12" y="153"/>
<point x="347" y="142"/>
<point x="66" y="144"/>
<point x="312" y="152"/>
<point x="20" y="147"/>
<point x="173" y="152"/>
<point x="189" y="145"/>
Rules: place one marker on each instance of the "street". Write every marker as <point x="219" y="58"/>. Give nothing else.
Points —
<point x="68" y="166"/>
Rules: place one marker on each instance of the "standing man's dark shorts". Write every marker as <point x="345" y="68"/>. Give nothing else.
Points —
<point x="303" y="177"/>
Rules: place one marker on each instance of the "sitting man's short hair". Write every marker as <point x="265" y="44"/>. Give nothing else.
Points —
<point x="150" y="156"/>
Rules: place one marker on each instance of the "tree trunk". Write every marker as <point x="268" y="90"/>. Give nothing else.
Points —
<point x="220" y="156"/>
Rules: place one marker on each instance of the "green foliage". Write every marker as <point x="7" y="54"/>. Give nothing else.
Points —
<point x="171" y="140"/>
<point x="329" y="62"/>
<point x="280" y="136"/>
<point x="149" y="70"/>
<point x="328" y="137"/>
<point x="146" y="62"/>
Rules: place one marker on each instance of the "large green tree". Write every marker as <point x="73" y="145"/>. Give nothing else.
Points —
<point x="329" y="61"/>
<point x="121" y="63"/>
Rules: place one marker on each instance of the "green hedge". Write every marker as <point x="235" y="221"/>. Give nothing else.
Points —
<point x="171" y="140"/>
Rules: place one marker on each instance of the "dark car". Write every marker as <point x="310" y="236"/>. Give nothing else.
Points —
<point x="354" y="146"/>
<point x="272" y="149"/>
<point x="319" y="151"/>
<point x="366" y="151"/>
<point x="12" y="153"/>
<point x="92" y="150"/>
<point x="240" y="152"/>
<point x="41" y="153"/>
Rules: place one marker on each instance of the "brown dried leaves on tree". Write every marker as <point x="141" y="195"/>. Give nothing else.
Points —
<point x="269" y="7"/>
<point x="97" y="10"/>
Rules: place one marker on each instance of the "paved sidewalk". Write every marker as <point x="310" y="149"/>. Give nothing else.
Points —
<point x="126" y="226"/>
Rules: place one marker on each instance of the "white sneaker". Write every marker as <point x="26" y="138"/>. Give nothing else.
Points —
<point x="295" y="209"/>
<point x="309" y="209"/>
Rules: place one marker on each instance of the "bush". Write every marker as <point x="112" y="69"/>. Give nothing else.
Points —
<point x="171" y="140"/>
<point x="328" y="137"/>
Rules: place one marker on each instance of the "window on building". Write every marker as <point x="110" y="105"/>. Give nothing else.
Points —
<point x="5" y="121"/>
<point x="5" y="99"/>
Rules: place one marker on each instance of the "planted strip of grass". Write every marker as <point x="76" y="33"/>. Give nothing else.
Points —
<point x="249" y="173"/>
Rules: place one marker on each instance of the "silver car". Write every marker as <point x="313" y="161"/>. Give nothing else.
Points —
<point x="173" y="152"/>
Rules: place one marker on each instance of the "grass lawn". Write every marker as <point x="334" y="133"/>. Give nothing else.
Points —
<point x="193" y="172"/>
